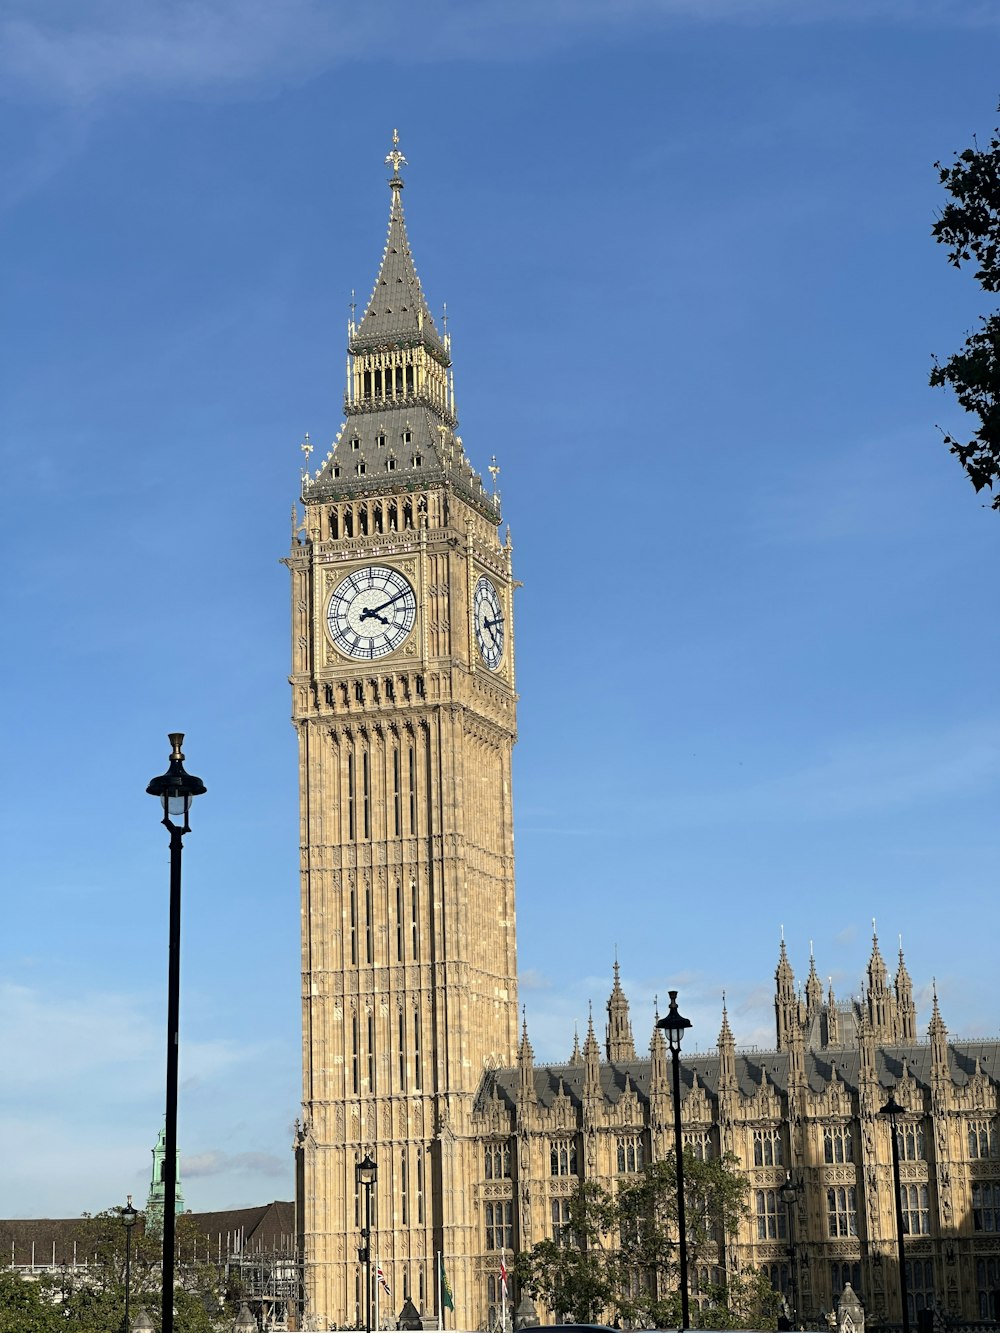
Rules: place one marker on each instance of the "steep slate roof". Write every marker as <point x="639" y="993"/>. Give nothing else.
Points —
<point x="264" y="1229"/>
<point x="374" y="433"/>
<point x="751" y="1072"/>
<point x="397" y="314"/>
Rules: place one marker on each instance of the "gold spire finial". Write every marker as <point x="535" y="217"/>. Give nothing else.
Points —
<point x="494" y="471"/>
<point x="394" y="157"/>
<point x="306" y="447"/>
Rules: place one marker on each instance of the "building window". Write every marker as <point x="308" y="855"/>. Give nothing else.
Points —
<point x="837" y="1145"/>
<point x="919" y="1285"/>
<point x="767" y="1147"/>
<point x="562" y="1157"/>
<point x="391" y="465"/>
<point x="770" y="1215"/>
<point x="841" y="1274"/>
<point x="500" y="1225"/>
<point x="361" y="469"/>
<point x="417" y="1079"/>
<point x="779" y="1277"/>
<point x="630" y="1154"/>
<point x="911" y="1141"/>
<point x="986" y="1207"/>
<point x="355" y="443"/>
<point x="988" y="1288"/>
<point x="916" y="1211"/>
<point x="560" y="1221"/>
<point x="419" y="1154"/>
<point x="497" y="1161"/>
<point x="380" y="440"/>
<point x="982" y="1138"/>
<point x="700" y="1144"/>
<point x="841" y="1208"/>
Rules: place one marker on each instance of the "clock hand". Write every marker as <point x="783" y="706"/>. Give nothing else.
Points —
<point x="374" y="615"/>
<point x="376" y="609"/>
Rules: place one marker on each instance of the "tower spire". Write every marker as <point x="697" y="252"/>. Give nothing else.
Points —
<point x="400" y="428"/>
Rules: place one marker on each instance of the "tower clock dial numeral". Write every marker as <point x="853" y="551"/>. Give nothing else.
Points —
<point x="371" y="612"/>
<point x="488" y="618"/>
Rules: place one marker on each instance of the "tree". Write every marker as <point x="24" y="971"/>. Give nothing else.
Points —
<point x="571" y="1273"/>
<point x="970" y="226"/>
<point x="25" y="1306"/>
<point x="618" y="1251"/>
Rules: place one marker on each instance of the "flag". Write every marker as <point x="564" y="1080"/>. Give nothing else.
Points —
<point x="381" y="1279"/>
<point x="503" y="1279"/>
<point x="447" y="1299"/>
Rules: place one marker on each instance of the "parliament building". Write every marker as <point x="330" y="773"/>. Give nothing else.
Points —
<point x="404" y="704"/>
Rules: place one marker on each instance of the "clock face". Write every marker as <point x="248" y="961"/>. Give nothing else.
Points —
<point x="371" y="612"/>
<point x="488" y="618"/>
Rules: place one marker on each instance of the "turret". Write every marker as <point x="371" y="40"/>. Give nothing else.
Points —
<point x="727" y="1054"/>
<point x="814" y="989"/>
<point x="906" y="1010"/>
<point x="525" y="1067"/>
<point x="881" y="1004"/>
<point x="619" y="1045"/>
<point x="786" y="1004"/>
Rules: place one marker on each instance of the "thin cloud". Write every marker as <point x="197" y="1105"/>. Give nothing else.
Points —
<point x="218" y="1163"/>
<point x="224" y="48"/>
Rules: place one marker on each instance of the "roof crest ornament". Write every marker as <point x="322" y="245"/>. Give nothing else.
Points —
<point x="395" y="159"/>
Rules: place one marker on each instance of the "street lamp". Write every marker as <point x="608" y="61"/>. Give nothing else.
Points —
<point x="367" y="1173"/>
<point x="892" y="1109"/>
<point x="789" y="1194"/>
<point x="674" y="1024"/>
<point x="176" y="789"/>
<point x="129" y="1216"/>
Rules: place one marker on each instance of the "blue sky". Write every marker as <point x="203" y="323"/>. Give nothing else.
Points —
<point x="693" y="298"/>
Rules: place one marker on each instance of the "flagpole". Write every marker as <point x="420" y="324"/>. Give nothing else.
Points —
<point x="378" y="1290"/>
<point x="440" y="1301"/>
<point x="503" y="1293"/>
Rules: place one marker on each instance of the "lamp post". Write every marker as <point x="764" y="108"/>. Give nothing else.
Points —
<point x="367" y="1173"/>
<point x="176" y="789"/>
<point x="789" y="1194"/>
<point x="892" y="1109"/>
<point x="129" y="1216"/>
<point x="674" y="1024"/>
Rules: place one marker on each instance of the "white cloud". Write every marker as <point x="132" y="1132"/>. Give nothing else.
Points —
<point x="217" y="1163"/>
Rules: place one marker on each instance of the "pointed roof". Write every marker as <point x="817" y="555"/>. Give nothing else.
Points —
<point x="397" y="313"/>
<point x="877" y="970"/>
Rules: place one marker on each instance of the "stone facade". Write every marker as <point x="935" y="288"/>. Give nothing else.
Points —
<point x="404" y="705"/>
<point x="805" y="1115"/>
<point x="403" y="700"/>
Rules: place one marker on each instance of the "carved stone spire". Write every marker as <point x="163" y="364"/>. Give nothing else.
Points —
<point x="576" y="1058"/>
<point x="525" y="1066"/>
<point x="814" y="988"/>
<point x="786" y="1004"/>
<point x="620" y="1045"/>
<point x="906" y="1010"/>
<point x="591" y="1060"/>
<point x="881" y="1003"/>
<point x="939" y="1045"/>
<point x="832" y="1018"/>
<point x="727" y="1054"/>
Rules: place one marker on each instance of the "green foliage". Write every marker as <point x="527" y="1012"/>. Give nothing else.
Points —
<point x="25" y="1306"/>
<point x="619" y="1251"/>
<point x="92" y="1300"/>
<point x="970" y="226"/>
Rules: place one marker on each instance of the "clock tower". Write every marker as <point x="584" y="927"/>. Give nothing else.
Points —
<point x="403" y="701"/>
